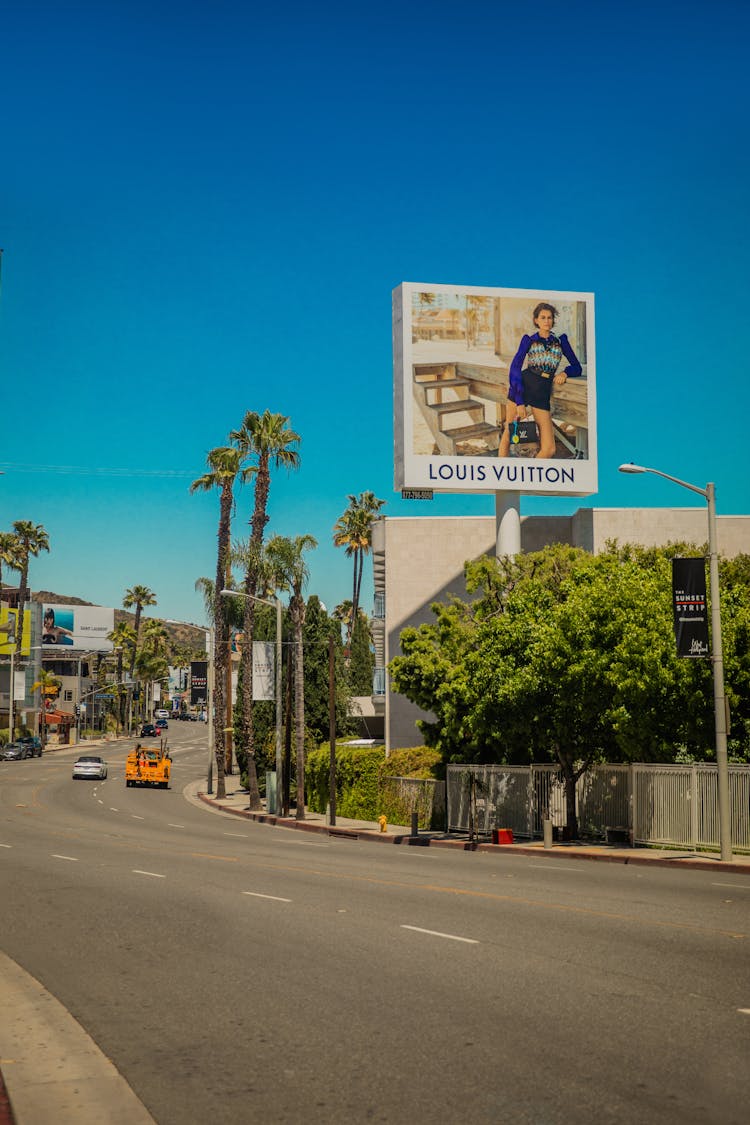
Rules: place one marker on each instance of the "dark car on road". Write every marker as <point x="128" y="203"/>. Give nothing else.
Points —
<point x="148" y="730"/>
<point x="33" y="743"/>
<point x="16" y="752"/>
<point x="161" y="724"/>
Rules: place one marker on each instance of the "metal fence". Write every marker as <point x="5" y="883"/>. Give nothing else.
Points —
<point x="666" y="805"/>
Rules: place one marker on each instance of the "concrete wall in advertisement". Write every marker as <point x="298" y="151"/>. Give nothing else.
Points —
<point x="459" y="352"/>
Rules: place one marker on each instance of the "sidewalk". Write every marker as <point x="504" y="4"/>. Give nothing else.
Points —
<point x="236" y="803"/>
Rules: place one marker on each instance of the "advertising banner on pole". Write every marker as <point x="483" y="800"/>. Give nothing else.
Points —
<point x="469" y="363"/>
<point x="689" y="606"/>
<point x="264" y="665"/>
<point x="198" y="681"/>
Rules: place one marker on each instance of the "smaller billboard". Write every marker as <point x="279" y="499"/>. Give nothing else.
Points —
<point x="9" y="632"/>
<point x="83" y="627"/>
<point x="198" y="681"/>
<point x="689" y="606"/>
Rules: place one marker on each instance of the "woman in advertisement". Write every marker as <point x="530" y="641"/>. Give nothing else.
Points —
<point x="53" y="634"/>
<point x="531" y="386"/>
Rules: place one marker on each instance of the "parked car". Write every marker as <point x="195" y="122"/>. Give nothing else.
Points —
<point x="88" y="766"/>
<point x="148" y="730"/>
<point x="15" y="752"/>
<point x="161" y="724"/>
<point x="33" y="742"/>
<point x="161" y="713"/>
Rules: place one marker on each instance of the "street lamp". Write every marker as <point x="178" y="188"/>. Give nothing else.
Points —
<point x="249" y="640"/>
<point x="717" y="656"/>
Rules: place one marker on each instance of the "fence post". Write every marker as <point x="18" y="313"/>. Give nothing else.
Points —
<point x="694" y="807"/>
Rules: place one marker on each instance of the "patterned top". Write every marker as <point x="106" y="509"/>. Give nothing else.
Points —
<point x="545" y="356"/>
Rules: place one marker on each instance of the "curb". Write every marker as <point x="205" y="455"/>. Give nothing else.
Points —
<point x="691" y="861"/>
<point x="6" y="1109"/>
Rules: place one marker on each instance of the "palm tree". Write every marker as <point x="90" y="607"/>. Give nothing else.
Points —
<point x="10" y="554"/>
<point x="266" y="440"/>
<point x="353" y="531"/>
<point x="138" y="596"/>
<point x="32" y="538"/>
<point x="286" y="555"/>
<point x="122" y="637"/>
<point x="224" y="467"/>
<point x="45" y="682"/>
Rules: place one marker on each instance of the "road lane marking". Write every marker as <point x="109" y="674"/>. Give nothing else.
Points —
<point x="6" y="845"/>
<point x="207" y="855"/>
<point x="70" y="858"/>
<point x="239" y="835"/>
<point x="151" y="873"/>
<point x="734" y="886"/>
<point x="274" y="898"/>
<point x="436" y="933"/>
<point x="175" y="825"/>
<point x="553" y="867"/>
<point x="137" y="817"/>
<point x="113" y="810"/>
<point x="744" y="1011"/>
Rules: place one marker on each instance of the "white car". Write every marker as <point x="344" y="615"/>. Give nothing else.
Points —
<point x="161" y="714"/>
<point x="89" y="766"/>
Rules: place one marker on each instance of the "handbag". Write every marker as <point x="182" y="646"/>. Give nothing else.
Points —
<point x="523" y="432"/>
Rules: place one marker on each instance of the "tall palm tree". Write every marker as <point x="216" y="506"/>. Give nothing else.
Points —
<point x="286" y="556"/>
<point x="266" y="440"/>
<point x="224" y="468"/>
<point x="137" y="596"/>
<point x="32" y="539"/>
<point x="353" y="531"/>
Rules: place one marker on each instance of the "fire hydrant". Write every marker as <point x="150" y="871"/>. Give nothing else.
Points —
<point x="383" y="823"/>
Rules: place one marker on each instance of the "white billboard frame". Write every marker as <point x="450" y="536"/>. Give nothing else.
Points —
<point x="470" y="336"/>
<point x="77" y="628"/>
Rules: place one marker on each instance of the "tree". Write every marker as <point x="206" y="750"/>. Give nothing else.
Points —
<point x="224" y="467"/>
<point x="353" y="532"/>
<point x="123" y="638"/>
<point x="362" y="658"/>
<point x="318" y="627"/>
<point x="287" y="557"/>
<point x="32" y="539"/>
<point x="562" y="654"/>
<point x="10" y="554"/>
<point x="47" y="684"/>
<point x="267" y="441"/>
<point x="137" y="596"/>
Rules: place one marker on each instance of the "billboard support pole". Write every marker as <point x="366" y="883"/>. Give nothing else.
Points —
<point x="507" y="524"/>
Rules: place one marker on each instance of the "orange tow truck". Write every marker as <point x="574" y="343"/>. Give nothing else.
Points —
<point x="148" y="765"/>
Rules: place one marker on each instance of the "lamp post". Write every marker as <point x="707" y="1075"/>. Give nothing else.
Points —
<point x="717" y="655"/>
<point x="277" y="678"/>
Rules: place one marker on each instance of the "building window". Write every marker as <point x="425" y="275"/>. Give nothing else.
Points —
<point x="378" y="608"/>
<point x="67" y="696"/>
<point x="378" y="681"/>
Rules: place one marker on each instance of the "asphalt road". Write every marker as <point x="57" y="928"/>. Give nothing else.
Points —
<point x="234" y="971"/>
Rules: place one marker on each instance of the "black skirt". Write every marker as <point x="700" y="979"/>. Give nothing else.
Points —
<point x="537" y="387"/>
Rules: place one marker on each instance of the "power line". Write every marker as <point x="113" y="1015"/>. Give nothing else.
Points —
<point x="87" y="470"/>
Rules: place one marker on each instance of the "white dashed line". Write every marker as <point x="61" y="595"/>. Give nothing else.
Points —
<point x="744" y="1011"/>
<point x="151" y="873"/>
<point x="553" y="867"/>
<point x="6" y="845"/>
<point x="239" y="835"/>
<point x="436" y="933"/>
<point x="274" y="898"/>
<point x="137" y="817"/>
<point x="734" y="886"/>
<point x="113" y="810"/>
<point x="70" y="858"/>
<point x="175" y="825"/>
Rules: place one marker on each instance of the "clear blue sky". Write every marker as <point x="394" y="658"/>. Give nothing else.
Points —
<point x="204" y="208"/>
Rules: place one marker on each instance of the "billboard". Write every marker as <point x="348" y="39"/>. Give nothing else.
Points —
<point x="689" y="606"/>
<point x="198" y="681"/>
<point x="472" y="362"/>
<point x="9" y="632"/>
<point x="77" y="626"/>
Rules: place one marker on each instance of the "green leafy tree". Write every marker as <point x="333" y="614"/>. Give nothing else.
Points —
<point x="318" y="627"/>
<point x="567" y="655"/>
<point x="123" y="640"/>
<point x="47" y="684"/>
<point x="136" y="598"/>
<point x="362" y="658"/>
<point x="10" y="554"/>
<point x="267" y="442"/>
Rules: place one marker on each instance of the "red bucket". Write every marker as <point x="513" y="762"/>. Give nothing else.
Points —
<point x="502" y="836"/>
